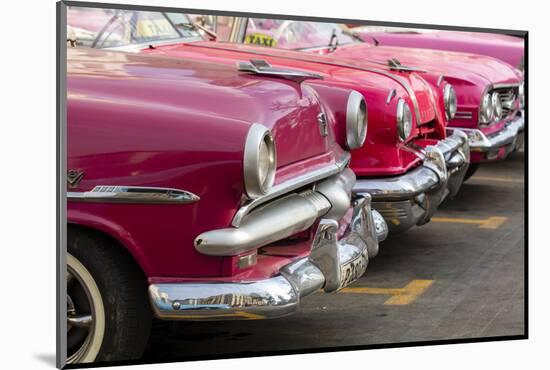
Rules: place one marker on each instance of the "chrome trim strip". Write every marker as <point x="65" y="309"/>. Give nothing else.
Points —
<point x="133" y="194"/>
<point x="504" y="85"/>
<point x="440" y="80"/>
<point x="463" y="115"/>
<point x="402" y="81"/>
<point x="289" y="185"/>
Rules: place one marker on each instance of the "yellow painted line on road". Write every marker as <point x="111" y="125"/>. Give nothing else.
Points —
<point x="400" y="296"/>
<point x="489" y="223"/>
<point x="497" y="179"/>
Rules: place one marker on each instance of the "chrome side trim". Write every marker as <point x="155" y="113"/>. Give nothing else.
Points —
<point x="289" y="185"/>
<point x="133" y="194"/>
<point x="402" y="81"/>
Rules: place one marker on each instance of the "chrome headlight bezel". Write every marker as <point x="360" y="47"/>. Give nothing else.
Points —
<point x="486" y="109"/>
<point x="356" y="120"/>
<point x="449" y="101"/>
<point x="497" y="106"/>
<point x="404" y="120"/>
<point x="259" y="161"/>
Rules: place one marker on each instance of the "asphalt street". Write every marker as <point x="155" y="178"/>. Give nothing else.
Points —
<point x="460" y="276"/>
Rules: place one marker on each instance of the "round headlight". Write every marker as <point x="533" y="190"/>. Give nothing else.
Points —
<point x="486" y="109"/>
<point x="497" y="106"/>
<point x="449" y="100"/>
<point x="356" y="120"/>
<point x="404" y="120"/>
<point x="260" y="161"/>
<point x="521" y="95"/>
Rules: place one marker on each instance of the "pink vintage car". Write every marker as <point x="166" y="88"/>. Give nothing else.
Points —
<point x="489" y="92"/>
<point x="408" y="163"/>
<point x="200" y="192"/>
<point x="509" y="49"/>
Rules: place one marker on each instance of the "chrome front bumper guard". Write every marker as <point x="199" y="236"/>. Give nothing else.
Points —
<point x="410" y="199"/>
<point x="508" y="136"/>
<point x="456" y="151"/>
<point x="331" y="265"/>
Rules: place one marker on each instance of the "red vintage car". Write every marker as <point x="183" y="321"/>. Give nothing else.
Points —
<point x="198" y="192"/>
<point x="509" y="49"/>
<point x="408" y="164"/>
<point x="489" y="92"/>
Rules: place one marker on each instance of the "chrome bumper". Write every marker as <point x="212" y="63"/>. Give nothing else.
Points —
<point x="410" y="199"/>
<point x="331" y="265"/>
<point x="508" y="136"/>
<point x="456" y="151"/>
<point x="282" y="218"/>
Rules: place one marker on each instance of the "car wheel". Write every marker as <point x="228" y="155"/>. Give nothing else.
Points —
<point x="472" y="168"/>
<point x="108" y="312"/>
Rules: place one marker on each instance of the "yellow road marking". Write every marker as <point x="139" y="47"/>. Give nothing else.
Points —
<point x="489" y="223"/>
<point x="400" y="296"/>
<point x="497" y="179"/>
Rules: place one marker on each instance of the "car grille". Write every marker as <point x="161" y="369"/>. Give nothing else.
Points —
<point x="508" y="96"/>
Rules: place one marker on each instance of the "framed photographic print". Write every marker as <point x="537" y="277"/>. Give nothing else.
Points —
<point x="239" y="184"/>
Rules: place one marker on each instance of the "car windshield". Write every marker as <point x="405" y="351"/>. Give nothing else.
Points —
<point x="106" y="28"/>
<point x="295" y="35"/>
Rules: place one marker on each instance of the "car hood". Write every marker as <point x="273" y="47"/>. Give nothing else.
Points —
<point x="361" y="72"/>
<point x="476" y="69"/>
<point x="202" y="90"/>
<point x="509" y="49"/>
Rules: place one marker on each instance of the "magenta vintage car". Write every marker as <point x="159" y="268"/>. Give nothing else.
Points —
<point x="198" y="192"/>
<point x="408" y="164"/>
<point x="509" y="49"/>
<point x="489" y="92"/>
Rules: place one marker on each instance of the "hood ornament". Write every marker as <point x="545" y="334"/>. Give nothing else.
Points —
<point x="262" y="67"/>
<point x="395" y="65"/>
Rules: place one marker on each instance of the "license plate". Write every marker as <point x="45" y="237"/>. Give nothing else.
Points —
<point x="353" y="270"/>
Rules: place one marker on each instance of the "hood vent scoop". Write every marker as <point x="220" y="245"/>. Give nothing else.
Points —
<point x="395" y="65"/>
<point x="262" y="67"/>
